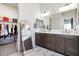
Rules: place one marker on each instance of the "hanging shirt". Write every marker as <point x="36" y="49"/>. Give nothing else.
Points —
<point x="7" y="27"/>
<point x="0" y="29"/>
<point x="5" y="30"/>
<point x="2" y="33"/>
<point x="12" y="28"/>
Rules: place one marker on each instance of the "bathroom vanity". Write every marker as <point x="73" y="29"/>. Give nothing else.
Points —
<point x="64" y="37"/>
<point x="67" y="44"/>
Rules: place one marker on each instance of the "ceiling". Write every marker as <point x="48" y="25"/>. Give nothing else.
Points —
<point x="51" y="6"/>
<point x="14" y="5"/>
<point x="43" y="6"/>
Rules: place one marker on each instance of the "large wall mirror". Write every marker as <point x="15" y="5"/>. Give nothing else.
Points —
<point x="64" y="20"/>
<point x="25" y="36"/>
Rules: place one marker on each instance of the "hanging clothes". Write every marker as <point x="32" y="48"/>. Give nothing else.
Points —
<point x="12" y="29"/>
<point x="15" y="30"/>
<point x="5" y="30"/>
<point x="0" y="29"/>
<point x="7" y="27"/>
<point x="2" y="33"/>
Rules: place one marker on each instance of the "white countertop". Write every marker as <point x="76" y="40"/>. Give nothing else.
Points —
<point x="61" y="33"/>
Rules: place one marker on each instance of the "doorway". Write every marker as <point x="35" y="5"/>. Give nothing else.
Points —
<point x="8" y="28"/>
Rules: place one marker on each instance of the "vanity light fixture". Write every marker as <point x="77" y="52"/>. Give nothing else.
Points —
<point x="68" y="7"/>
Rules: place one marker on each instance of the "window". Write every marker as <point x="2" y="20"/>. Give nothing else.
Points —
<point x="68" y="23"/>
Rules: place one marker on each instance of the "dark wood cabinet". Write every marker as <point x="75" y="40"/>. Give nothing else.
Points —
<point x="49" y="41"/>
<point x="40" y="39"/>
<point x="59" y="44"/>
<point x="72" y="46"/>
<point x="65" y="44"/>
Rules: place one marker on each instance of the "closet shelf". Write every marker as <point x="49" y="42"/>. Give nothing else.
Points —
<point x="7" y="22"/>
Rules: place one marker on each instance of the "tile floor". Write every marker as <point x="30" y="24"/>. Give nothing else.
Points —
<point x="38" y="51"/>
<point x="8" y="49"/>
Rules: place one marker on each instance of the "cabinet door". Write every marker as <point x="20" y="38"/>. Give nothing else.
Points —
<point x="42" y="38"/>
<point x="71" y="47"/>
<point x="59" y="44"/>
<point x="49" y="41"/>
<point x="37" y="38"/>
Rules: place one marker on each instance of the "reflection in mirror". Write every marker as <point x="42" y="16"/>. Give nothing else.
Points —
<point x="24" y="25"/>
<point x="68" y="23"/>
<point x="25" y="29"/>
<point x="62" y="20"/>
<point x="39" y="24"/>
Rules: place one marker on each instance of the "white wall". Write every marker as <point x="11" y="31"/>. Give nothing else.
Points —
<point x="8" y="11"/>
<point x="29" y="12"/>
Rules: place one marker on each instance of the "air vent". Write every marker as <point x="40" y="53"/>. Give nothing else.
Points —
<point x="67" y="4"/>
